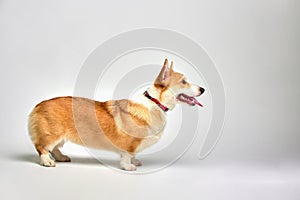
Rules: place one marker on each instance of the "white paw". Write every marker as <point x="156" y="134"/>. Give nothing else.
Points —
<point x="47" y="161"/>
<point x="136" y="162"/>
<point x="128" y="167"/>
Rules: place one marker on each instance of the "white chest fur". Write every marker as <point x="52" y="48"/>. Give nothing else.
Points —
<point x="157" y="127"/>
<point x="149" y="141"/>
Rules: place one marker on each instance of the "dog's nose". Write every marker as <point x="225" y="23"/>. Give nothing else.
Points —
<point x="202" y="90"/>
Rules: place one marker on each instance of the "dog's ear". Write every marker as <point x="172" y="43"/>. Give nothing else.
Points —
<point x="171" y="66"/>
<point x="164" y="77"/>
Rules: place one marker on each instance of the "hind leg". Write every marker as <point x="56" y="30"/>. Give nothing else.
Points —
<point x="58" y="156"/>
<point x="45" y="159"/>
<point x="48" y="145"/>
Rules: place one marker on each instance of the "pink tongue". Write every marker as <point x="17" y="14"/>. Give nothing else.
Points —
<point x="196" y="102"/>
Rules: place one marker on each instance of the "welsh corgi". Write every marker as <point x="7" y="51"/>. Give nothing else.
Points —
<point x="123" y="126"/>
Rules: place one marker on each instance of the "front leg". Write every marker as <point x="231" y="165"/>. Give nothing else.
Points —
<point x="136" y="162"/>
<point x="126" y="162"/>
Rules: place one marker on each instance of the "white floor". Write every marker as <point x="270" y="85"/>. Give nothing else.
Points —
<point x="86" y="178"/>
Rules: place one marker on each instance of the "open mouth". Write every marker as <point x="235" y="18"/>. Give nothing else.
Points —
<point x="188" y="99"/>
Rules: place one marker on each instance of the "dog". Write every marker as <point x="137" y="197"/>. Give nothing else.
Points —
<point x="122" y="126"/>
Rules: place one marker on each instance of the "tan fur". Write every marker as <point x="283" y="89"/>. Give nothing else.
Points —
<point x="53" y="121"/>
<point x="122" y="126"/>
<point x="173" y="84"/>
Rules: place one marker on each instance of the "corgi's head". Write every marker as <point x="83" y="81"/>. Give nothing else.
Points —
<point x="172" y="88"/>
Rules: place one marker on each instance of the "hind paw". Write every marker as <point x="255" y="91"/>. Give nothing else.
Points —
<point x="47" y="161"/>
<point x="62" y="158"/>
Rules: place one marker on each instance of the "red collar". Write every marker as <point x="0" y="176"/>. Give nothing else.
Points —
<point x="164" y="108"/>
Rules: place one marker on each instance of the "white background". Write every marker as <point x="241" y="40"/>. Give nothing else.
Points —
<point x="255" y="46"/>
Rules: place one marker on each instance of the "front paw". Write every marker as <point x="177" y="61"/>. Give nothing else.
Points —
<point x="128" y="167"/>
<point x="136" y="162"/>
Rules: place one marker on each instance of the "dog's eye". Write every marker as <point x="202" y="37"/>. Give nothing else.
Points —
<point x="183" y="81"/>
